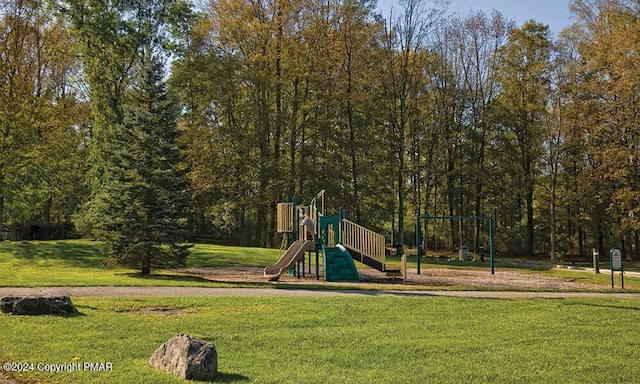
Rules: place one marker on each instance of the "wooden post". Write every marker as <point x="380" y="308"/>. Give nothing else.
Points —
<point x="404" y="267"/>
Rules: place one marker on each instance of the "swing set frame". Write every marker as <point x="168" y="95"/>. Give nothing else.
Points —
<point x="426" y="219"/>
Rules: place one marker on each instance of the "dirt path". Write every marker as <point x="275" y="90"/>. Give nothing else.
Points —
<point x="286" y="292"/>
<point x="503" y="284"/>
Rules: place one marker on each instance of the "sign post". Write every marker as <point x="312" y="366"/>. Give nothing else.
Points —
<point x="615" y="260"/>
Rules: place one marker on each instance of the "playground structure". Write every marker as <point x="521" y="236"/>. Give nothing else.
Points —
<point x="309" y="229"/>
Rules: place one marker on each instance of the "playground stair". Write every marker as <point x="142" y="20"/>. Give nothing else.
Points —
<point x="364" y="245"/>
<point x="339" y="265"/>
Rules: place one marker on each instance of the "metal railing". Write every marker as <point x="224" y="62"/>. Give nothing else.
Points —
<point x="317" y="206"/>
<point x="363" y="240"/>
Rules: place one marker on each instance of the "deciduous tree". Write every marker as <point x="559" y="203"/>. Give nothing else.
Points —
<point x="525" y="79"/>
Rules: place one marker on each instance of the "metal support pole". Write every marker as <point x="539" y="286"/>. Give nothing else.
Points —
<point x="296" y="220"/>
<point x="426" y="238"/>
<point x="317" y="265"/>
<point x="343" y="216"/>
<point x="421" y="251"/>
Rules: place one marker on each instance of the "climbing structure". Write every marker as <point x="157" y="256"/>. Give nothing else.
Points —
<point x="338" y="264"/>
<point x="309" y="228"/>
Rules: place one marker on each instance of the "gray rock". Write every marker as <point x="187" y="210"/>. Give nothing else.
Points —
<point x="187" y="357"/>
<point x="37" y="305"/>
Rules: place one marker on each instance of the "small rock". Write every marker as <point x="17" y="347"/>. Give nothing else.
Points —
<point x="187" y="357"/>
<point x="36" y="305"/>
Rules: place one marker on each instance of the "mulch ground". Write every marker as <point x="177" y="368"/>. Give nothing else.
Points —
<point x="432" y="277"/>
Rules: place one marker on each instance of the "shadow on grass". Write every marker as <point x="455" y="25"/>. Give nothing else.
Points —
<point x="165" y="277"/>
<point x="512" y="263"/>
<point x="66" y="253"/>
<point x="61" y="315"/>
<point x="316" y="287"/>
<point x="196" y="280"/>
<point x="223" y="377"/>
<point x="25" y="250"/>
<point x="452" y="261"/>
<point x="609" y="306"/>
<point x="74" y="315"/>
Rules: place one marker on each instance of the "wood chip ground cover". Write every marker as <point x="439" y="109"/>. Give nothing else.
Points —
<point x="432" y="277"/>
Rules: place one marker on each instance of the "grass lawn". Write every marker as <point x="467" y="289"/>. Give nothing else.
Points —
<point x="80" y="263"/>
<point x="341" y="340"/>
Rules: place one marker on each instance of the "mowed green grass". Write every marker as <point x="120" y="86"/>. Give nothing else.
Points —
<point x="375" y="339"/>
<point x="82" y="263"/>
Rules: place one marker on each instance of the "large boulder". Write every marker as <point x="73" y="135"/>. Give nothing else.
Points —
<point x="187" y="357"/>
<point x="38" y="305"/>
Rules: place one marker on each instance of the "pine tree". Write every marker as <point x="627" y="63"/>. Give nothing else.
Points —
<point x="142" y="211"/>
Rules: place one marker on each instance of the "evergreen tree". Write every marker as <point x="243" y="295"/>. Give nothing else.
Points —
<point x="141" y="213"/>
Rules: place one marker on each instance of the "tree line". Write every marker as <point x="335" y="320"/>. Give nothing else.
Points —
<point x="418" y="112"/>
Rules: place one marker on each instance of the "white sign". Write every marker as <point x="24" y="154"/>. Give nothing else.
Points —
<point x="616" y="259"/>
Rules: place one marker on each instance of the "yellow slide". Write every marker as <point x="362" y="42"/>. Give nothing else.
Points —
<point x="293" y="254"/>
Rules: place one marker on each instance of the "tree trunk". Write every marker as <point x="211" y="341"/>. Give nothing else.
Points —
<point x="477" y="223"/>
<point x="461" y="211"/>
<point x="264" y="129"/>
<point x="352" y="143"/>
<point x="243" y="226"/>
<point x="1" y="211"/>
<point x="46" y="217"/>
<point x="301" y="166"/>
<point x="400" y="250"/>
<point x="460" y="234"/>
<point x="451" y="197"/>
<point x="600" y="238"/>
<point x="529" y="186"/>
<point x="146" y="266"/>
<point x="292" y="141"/>
<point x="530" y="229"/>
<point x="552" y="235"/>
<point x="279" y="122"/>
<point x="354" y="169"/>
<point x="581" y="241"/>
